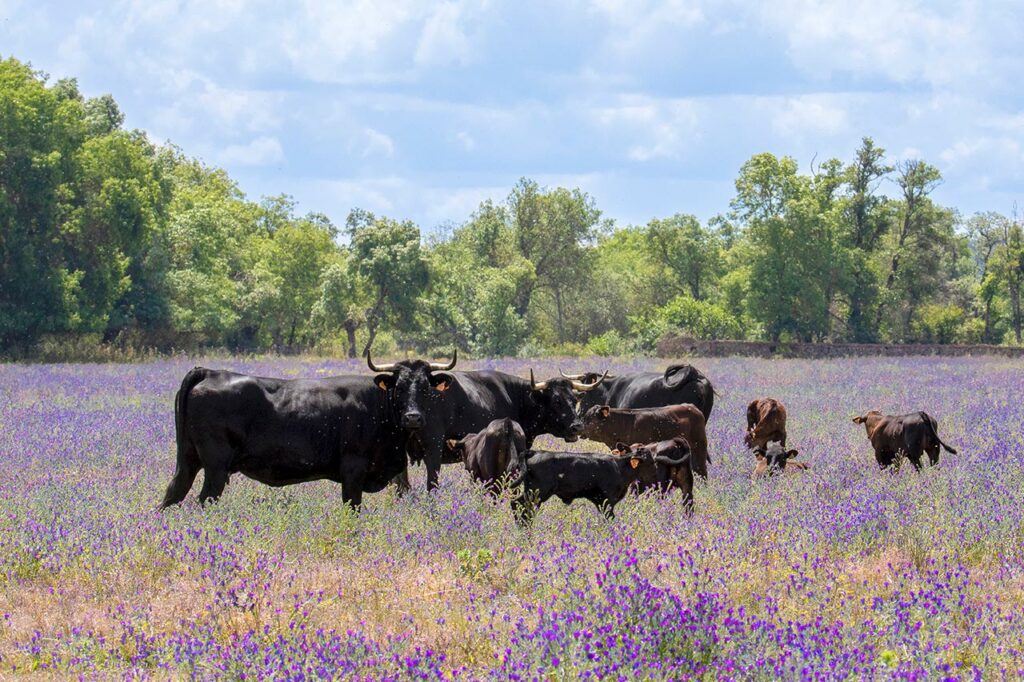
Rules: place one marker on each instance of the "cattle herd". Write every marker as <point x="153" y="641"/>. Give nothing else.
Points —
<point x="362" y="430"/>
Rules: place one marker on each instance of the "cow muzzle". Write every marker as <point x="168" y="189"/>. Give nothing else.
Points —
<point x="412" y="420"/>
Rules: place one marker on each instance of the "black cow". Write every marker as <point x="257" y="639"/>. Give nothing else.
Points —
<point x="436" y="405"/>
<point x="602" y="478"/>
<point x="280" y="431"/>
<point x="677" y="385"/>
<point x="488" y="454"/>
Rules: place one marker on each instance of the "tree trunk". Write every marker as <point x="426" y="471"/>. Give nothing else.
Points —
<point x="561" y="317"/>
<point x="350" y="331"/>
<point x="373" y="320"/>
<point x="1015" y="305"/>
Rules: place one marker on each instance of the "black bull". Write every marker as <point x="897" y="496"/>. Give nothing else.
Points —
<point x="280" y="432"/>
<point x="677" y="385"/>
<point x="436" y="405"/>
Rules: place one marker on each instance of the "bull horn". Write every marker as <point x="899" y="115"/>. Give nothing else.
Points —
<point x="580" y="386"/>
<point x="534" y="385"/>
<point x="572" y="377"/>
<point x="434" y="366"/>
<point x="378" y="368"/>
<point x="671" y="462"/>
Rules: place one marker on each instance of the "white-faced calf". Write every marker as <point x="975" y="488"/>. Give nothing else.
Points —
<point x="775" y="459"/>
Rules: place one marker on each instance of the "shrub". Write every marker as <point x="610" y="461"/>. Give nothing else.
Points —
<point x="936" y="323"/>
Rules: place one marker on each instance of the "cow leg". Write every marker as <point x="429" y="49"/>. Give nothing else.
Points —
<point x="933" y="454"/>
<point x="401" y="482"/>
<point x="914" y="455"/>
<point x="213" y="484"/>
<point x="185" y="472"/>
<point x="884" y="458"/>
<point x="352" y="494"/>
<point x="782" y="441"/>
<point x="432" y="458"/>
<point x="699" y="459"/>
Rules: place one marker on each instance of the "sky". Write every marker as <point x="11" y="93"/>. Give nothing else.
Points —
<point x="421" y="110"/>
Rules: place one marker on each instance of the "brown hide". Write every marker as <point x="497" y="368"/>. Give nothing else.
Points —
<point x="766" y="422"/>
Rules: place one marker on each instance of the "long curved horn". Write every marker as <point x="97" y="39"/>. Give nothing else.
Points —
<point x="671" y="462"/>
<point x="580" y="386"/>
<point x="534" y="385"/>
<point x="439" y="366"/>
<point x="572" y="377"/>
<point x="378" y="368"/>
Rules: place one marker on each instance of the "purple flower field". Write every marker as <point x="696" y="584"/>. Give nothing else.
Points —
<point x="843" y="573"/>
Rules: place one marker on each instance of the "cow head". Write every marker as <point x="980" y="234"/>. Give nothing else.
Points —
<point x="587" y="377"/>
<point x="670" y="460"/>
<point x="412" y="386"/>
<point x="593" y="418"/>
<point x="869" y="420"/>
<point x="774" y="456"/>
<point x="556" y="400"/>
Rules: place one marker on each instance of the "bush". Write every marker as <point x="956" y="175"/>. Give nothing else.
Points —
<point x="936" y="323"/>
<point x="971" y="331"/>
<point x="699" y="319"/>
<point x="610" y="344"/>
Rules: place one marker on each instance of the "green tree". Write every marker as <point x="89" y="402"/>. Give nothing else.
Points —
<point x="41" y="129"/>
<point x="788" y="270"/>
<point x="689" y="253"/>
<point x="387" y="255"/>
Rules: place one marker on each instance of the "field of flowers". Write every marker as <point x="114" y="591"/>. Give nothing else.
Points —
<point x="844" y="573"/>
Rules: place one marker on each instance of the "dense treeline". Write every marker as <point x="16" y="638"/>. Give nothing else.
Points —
<point x="104" y="234"/>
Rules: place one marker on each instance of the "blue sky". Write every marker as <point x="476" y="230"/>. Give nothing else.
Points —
<point x="421" y="110"/>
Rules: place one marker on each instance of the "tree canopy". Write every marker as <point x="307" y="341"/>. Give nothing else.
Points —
<point x="107" y="235"/>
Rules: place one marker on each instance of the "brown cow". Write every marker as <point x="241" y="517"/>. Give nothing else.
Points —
<point x="766" y="422"/>
<point x="488" y="454"/>
<point x="610" y="425"/>
<point x="774" y="459"/>
<point x="907" y="434"/>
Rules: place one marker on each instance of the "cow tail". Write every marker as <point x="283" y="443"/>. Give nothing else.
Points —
<point x="935" y="434"/>
<point x="194" y="376"/>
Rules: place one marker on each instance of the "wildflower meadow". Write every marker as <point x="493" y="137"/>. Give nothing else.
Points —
<point x="845" y="572"/>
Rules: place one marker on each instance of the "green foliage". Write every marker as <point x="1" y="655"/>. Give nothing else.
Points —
<point x="108" y="238"/>
<point x="472" y="564"/>
<point x="937" y="323"/>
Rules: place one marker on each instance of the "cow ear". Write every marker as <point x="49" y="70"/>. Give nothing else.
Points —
<point x="622" y="447"/>
<point x="441" y="381"/>
<point x="858" y="420"/>
<point x="384" y="380"/>
<point x="454" y="445"/>
<point x="605" y="411"/>
<point x="634" y="462"/>
<point x="791" y="454"/>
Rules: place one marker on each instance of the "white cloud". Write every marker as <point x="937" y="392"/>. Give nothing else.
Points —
<point x="657" y="128"/>
<point x="901" y="40"/>
<point x="262" y="151"/>
<point x="442" y="40"/>
<point x="808" y="115"/>
<point x="371" y="143"/>
<point x="466" y="140"/>
<point x="637" y="24"/>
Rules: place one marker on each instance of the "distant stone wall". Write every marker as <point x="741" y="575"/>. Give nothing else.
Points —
<point x="676" y="346"/>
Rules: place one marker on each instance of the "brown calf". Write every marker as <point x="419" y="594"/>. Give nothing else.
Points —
<point x="674" y="455"/>
<point x="775" y="459"/>
<point x="610" y="425"/>
<point x="766" y="422"/>
<point x="905" y="434"/>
